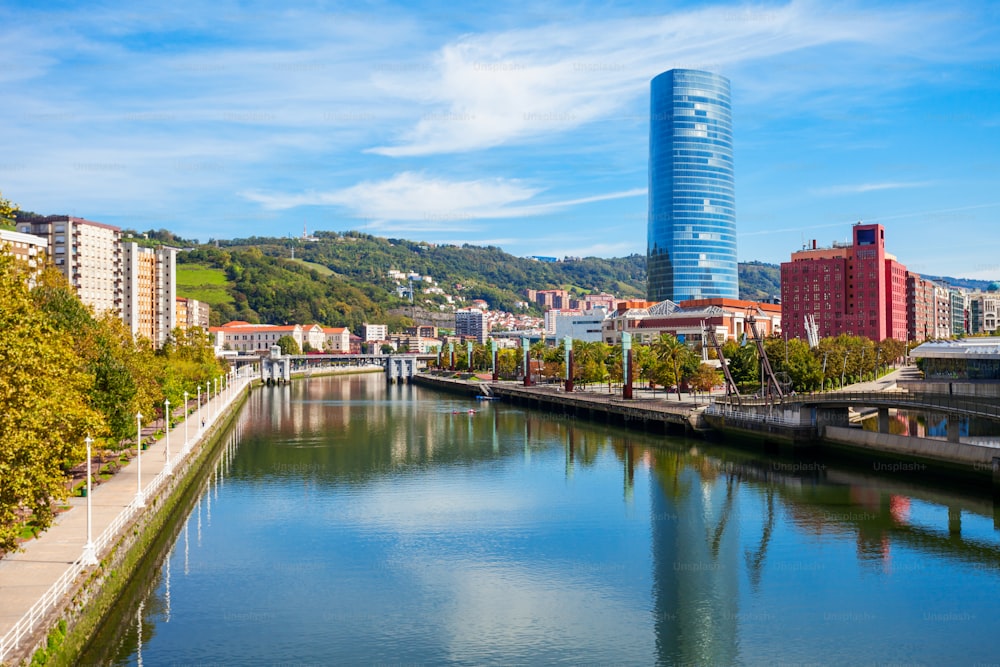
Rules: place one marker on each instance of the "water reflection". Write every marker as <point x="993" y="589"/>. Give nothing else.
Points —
<point x="349" y="521"/>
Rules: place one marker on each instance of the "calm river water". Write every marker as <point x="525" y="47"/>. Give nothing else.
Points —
<point x="350" y="522"/>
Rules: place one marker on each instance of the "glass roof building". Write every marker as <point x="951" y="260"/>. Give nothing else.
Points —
<point x="691" y="243"/>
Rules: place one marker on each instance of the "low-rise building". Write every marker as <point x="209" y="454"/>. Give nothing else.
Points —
<point x="586" y="326"/>
<point x="337" y="339"/>
<point x="249" y="338"/>
<point x="688" y="320"/>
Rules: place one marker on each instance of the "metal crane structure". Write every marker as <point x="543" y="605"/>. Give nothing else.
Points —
<point x="709" y="335"/>
<point x="772" y="388"/>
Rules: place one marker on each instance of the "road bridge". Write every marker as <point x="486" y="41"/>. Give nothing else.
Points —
<point x="277" y="368"/>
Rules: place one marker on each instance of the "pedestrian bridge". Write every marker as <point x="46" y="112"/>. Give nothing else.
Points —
<point x="807" y="414"/>
<point x="278" y="369"/>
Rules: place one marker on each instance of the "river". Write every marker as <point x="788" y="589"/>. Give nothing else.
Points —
<point x="350" y="522"/>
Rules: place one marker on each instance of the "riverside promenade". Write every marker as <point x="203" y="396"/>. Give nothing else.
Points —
<point x="36" y="581"/>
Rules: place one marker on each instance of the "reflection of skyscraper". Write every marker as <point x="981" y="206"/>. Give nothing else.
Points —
<point x="695" y="569"/>
<point x="691" y="250"/>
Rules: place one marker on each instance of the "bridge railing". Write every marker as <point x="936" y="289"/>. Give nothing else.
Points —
<point x="725" y="410"/>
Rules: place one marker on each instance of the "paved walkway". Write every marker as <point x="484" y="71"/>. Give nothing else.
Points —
<point x="27" y="576"/>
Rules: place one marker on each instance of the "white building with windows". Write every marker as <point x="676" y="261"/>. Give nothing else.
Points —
<point x="585" y="326"/>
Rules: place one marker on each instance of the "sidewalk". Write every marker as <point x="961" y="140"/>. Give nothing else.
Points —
<point x="34" y="576"/>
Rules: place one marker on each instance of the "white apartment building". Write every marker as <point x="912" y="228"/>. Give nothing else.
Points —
<point x="374" y="332"/>
<point x="89" y="255"/>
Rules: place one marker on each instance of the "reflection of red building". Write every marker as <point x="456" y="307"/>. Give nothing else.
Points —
<point x="857" y="289"/>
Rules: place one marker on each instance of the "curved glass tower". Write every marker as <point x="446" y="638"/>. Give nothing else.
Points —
<point x="691" y="244"/>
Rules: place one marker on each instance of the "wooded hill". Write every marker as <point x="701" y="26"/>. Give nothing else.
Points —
<point x="341" y="279"/>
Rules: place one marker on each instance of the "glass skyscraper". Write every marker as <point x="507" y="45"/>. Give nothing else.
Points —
<point x="691" y="244"/>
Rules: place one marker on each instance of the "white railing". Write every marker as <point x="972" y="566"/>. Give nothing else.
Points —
<point x="26" y="625"/>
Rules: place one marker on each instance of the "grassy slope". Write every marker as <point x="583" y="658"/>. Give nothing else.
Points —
<point x="196" y="281"/>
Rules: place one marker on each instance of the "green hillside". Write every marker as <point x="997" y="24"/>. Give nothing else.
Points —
<point x="204" y="283"/>
<point x="341" y="279"/>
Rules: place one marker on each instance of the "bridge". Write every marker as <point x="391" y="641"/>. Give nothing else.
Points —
<point x="822" y="418"/>
<point x="278" y="368"/>
<point x="831" y="407"/>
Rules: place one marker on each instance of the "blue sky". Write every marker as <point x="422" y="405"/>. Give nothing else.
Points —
<point x="523" y="127"/>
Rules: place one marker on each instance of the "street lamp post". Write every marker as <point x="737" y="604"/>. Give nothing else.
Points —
<point x="185" y="420"/>
<point x="166" y="420"/>
<point x="199" y="408"/>
<point x="89" y="552"/>
<point x="843" y="371"/>
<point x="139" y="500"/>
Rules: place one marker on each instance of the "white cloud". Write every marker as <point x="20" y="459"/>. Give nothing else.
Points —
<point x="491" y="89"/>
<point x="438" y="203"/>
<point x="861" y="188"/>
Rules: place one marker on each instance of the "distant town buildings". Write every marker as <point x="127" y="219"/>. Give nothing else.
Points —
<point x="691" y="236"/>
<point x="586" y="326"/>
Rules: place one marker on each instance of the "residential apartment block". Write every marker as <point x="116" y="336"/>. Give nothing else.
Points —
<point x="857" y="289"/>
<point x="192" y="313"/>
<point x="471" y="322"/>
<point x="374" y="332"/>
<point x="149" y="279"/>
<point x="336" y="339"/>
<point x="26" y="248"/>
<point x="88" y="253"/>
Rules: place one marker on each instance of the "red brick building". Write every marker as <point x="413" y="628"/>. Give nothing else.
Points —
<point x="857" y="289"/>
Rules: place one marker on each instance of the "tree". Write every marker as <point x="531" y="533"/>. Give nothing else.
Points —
<point x="7" y="209"/>
<point x="45" y="414"/>
<point x="288" y="345"/>
<point x="672" y="355"/>
<point x="704" y="378"/>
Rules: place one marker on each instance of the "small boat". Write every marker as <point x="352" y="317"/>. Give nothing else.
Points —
<point x="487" y="398"/>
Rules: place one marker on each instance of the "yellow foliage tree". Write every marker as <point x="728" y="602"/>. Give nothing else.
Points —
<point x="45" y="414"/>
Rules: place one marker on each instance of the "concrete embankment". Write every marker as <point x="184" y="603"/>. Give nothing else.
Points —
<point x="641" y="413"/>
<point x="914" y="453"/>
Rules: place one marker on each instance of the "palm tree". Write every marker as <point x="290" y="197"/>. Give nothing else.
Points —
<point x="671" y="352"/>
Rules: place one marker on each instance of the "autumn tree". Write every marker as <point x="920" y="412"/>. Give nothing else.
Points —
<point x="45" y="415"/>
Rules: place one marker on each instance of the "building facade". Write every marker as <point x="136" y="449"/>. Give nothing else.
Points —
<point x="338" y="339"/>
<point x="471" y="323"/>
<point x="857" y="289"/>
<point x="374" y="332"/>
<point x="26" y="248"/>
<point x="691" y="233"/>
<point x="88" y="253"/>
<point x="149" y="286"/>
<point x="192" y="313"/>
<point x="586" y="326"/>
<point x="245" y="337"/>
<point x="688" y="320"/>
